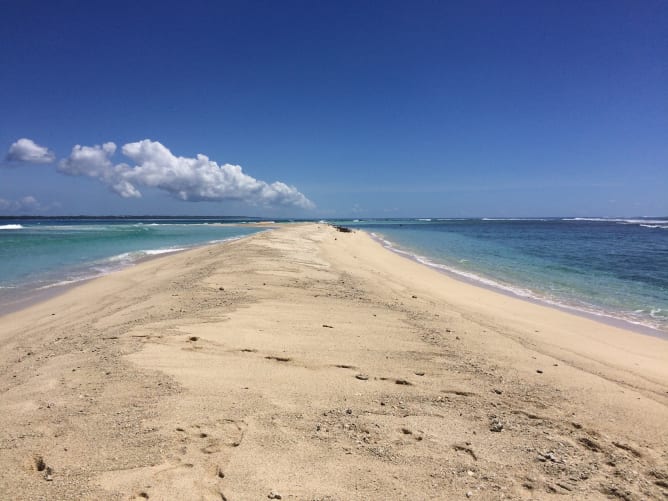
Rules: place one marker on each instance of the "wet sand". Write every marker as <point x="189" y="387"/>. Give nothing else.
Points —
<point x="311" y="364"/>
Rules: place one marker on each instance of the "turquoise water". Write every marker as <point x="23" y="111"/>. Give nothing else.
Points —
<point x="36" y="255"/>
<point x="614" y="268"/>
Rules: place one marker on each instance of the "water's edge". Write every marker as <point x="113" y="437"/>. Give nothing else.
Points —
<point x="40" y="295"/>
<point x="609" y="320"/>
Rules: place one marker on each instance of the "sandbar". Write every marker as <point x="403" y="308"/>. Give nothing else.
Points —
<point x="309" y="364"/>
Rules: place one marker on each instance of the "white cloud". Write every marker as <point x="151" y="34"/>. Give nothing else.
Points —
<point x="95" y="161"/>
<point x="28" y="204"/>
<point x="27" y="151"/>
<point x="190" y="179"/>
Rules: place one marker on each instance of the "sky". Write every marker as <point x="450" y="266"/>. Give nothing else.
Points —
<point x="338" y="109"/>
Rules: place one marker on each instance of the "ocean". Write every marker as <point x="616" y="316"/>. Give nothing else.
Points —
<point x="614" y="269"/>
<point x="40" y="256"/>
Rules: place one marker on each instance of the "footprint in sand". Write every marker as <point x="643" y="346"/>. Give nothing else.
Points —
<point x="211" y="438"/>
<point x="278" y="359"/>
<point x="402" y="382"/>
<point x="39" y="465"/>
<point x="459" y="393"/>
<point x="416" y="435"/>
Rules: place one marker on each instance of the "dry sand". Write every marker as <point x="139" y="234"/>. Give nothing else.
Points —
<point x="315" y="365"/>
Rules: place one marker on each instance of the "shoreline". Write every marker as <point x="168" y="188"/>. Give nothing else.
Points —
<point x="32" y="296"/>
<point x="315" y="364"/>
<point x="604" y="318"/>
<point x="35" y="296"/>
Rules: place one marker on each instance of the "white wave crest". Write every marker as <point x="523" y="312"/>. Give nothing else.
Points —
<point x="656" y="313"/>
<point x="130" y="257"/>
<point x="11" y="227"/>
<point x="65" y="282"/>
<point x="157" y="252"/>
<point x="641" y="222"/>
<point x="512" y="219"/>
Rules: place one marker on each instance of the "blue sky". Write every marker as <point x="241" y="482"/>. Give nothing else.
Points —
<point x="335" y="109"/>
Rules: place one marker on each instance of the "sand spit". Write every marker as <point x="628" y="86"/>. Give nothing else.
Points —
<point x="310" y="364"/>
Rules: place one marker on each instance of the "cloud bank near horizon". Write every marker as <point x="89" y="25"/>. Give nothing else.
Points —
<point x="27" y="151"/>
<point x="153" y="165"/>
<point x="24" y="204"/>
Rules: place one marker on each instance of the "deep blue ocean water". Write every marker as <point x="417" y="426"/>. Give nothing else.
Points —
<point x="41" y="254"/>
<point x="614" y="268"/>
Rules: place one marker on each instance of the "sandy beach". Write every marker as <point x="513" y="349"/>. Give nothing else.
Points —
<point x="309" y="364"/>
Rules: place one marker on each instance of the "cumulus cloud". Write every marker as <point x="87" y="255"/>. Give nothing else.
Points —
<point x="189" y="179"/>
<point x="95" y="161"/>
<point x="27" y="151"/>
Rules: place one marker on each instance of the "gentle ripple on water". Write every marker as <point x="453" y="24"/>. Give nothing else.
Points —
<point x="615" y="268"/>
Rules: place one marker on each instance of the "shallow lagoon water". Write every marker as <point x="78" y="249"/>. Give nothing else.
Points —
<point x="48" y="253"/>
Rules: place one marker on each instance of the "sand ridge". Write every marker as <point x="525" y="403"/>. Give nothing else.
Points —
<point x="305" y="363"/>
